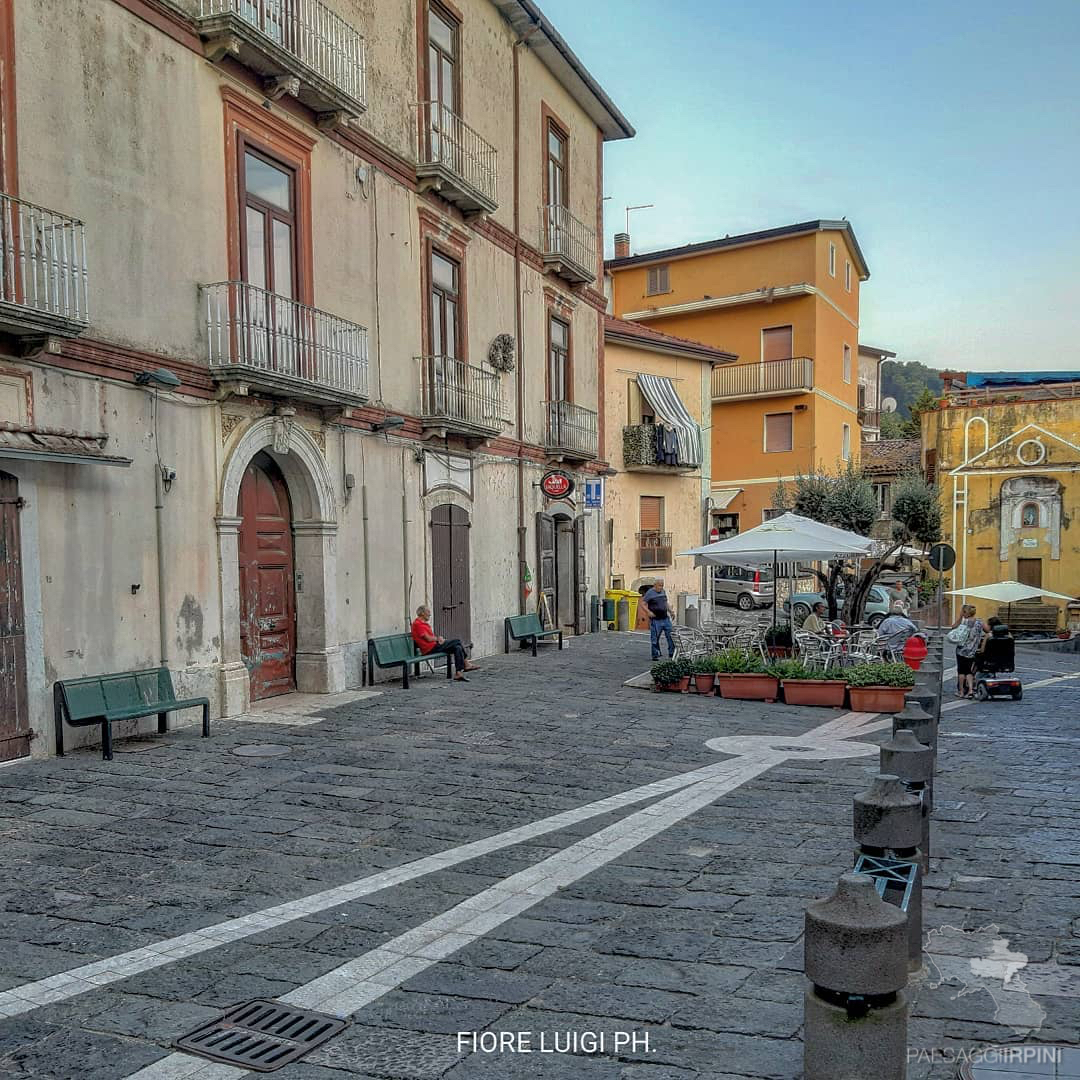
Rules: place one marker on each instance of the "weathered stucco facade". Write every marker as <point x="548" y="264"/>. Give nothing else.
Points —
<point x="1007" y="458"/>
<point x="158" y="138"/>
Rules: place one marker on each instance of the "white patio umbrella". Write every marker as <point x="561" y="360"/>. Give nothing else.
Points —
<point x="1007" y="592"/>
<point x="787" y="538"/>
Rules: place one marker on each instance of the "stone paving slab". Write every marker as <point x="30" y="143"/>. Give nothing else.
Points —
<point x="691" y="939"/>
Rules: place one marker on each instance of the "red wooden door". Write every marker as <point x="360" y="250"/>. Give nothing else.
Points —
<point x="267" y="603"/>
<point x="14" y="714"/>
<point x="452" y="611"/>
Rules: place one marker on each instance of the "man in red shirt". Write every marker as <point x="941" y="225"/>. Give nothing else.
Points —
<point x="428" y="642"/>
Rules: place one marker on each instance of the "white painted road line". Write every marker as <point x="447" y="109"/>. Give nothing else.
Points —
<point x="79" y="980"/>
<point x="359" y="982"/>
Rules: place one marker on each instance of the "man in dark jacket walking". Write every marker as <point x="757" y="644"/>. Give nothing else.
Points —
<point x="656" y="601"/>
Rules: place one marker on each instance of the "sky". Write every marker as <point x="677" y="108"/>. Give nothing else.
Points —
<point x="948" y="134"/>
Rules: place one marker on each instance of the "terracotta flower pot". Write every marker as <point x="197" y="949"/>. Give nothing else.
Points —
<point x="878" y="699"/>
<point x="748" y="687"/>
<point x="828" y="693"/>
<point x="705" y="683"/>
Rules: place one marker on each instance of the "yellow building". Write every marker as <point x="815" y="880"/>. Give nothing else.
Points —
<point x="656" y="406"/>
<point x="786" y="301"/>
<point x="1006" y="454"/>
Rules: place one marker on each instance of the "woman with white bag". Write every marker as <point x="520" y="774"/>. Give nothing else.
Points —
<point x="966" y="634"/>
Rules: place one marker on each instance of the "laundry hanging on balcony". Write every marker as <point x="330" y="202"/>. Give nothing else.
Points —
<point x="661" y="394"/>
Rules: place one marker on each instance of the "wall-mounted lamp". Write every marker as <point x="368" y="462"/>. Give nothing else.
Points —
<point x="389" y="423"/>
<point x="160" y="379"/>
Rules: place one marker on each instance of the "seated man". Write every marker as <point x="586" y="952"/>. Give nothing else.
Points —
<point x="428" y="642"/>
<point x="815" y="622"/>
<point x="895" y="629"/>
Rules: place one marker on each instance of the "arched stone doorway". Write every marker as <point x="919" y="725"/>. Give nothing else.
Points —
<point x="279" y="447"/>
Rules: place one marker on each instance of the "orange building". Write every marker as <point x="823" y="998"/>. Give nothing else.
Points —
<point x="787" y="302"/>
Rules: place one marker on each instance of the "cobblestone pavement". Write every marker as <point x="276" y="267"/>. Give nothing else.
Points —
<point x="677" y="926"/>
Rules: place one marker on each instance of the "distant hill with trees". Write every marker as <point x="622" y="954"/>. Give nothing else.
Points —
<point x="914" y="386"/>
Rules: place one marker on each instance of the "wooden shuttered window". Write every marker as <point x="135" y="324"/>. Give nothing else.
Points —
<point x="931" y="466"/>
<point x="778" y="432"/>
<point x="776" y="343"/>
<point x="659" y="281"/>
<point x="652" y="513"/>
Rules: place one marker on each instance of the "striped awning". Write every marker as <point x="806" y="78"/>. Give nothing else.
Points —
<point x="661" y="394"/>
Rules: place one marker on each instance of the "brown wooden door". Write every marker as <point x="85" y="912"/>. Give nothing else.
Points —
<point x="1029" y="572"/>
<point x="452" y="610"/>
<point x="267" y="601"/>
<point x="545" y="569"/>
<point x="581" y="578"/>
<point x="14" y="713"/>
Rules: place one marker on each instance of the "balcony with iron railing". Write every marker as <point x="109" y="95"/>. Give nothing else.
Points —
<point x="454" y="160"/>
<point x="640" y="452"/>
<point x="271" y="344"/>
<point x="654" y="550"/>
<point x="459" y="398"/>
<point x="568" y="245"/>
<point x="571" y="431"/>
<point x="43" y="279"/>
<point x="298" y="47"/>
<point x="769" y="378"/>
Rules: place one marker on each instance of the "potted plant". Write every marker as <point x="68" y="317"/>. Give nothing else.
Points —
<point x="673" y="675"/>
<point x="803" y="685"/>
<point x="778" y="641"/>
<point x="743" y="675"/>
<point x="705" y="674"/>
<point x="879" y="687"/>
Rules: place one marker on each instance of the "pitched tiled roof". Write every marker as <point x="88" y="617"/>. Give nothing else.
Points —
<point x="890" y="455"/>
<point x="615" y="329"/>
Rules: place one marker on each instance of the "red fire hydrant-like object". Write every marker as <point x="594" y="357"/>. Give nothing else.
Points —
<point x="915" y="651"/>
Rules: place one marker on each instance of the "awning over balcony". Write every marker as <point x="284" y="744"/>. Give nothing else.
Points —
<point x="722" y="498"/>
<point x="68" y="448"/>
<point x="661" y="394"/>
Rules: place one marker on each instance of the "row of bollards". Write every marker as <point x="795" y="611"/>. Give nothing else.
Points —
<point x="862" y="942"/>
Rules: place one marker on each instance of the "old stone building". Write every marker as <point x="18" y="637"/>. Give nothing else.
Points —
<point x="284" y="352"/>
<point x="1005" y="450"/>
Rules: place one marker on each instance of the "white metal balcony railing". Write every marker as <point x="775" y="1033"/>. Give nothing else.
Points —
<point x="309" y="31"/>
<point x="460" y="396"/>
<point x="260" y="335"/>
<point x="571" y="429"/>
<point x="567" y="240"/>
<point x="766" y="379"/>
<point x="43" y="280"/>
<point x="449" y="149"/>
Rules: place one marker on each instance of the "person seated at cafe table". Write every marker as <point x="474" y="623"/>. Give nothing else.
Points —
<point x="815" y="622"/>
<point x="895" y="629"/>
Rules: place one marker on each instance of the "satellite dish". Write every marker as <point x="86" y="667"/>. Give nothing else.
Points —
<point x="888" y="404"/>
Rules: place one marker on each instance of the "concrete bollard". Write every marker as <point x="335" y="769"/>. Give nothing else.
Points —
<point x="622" y="615"/>
<point x="913" y="762"/>
<point x="928" y="699"/>
<point x="915" y="717"/>
<point x="888" y="823"/>
<point x="855" y="1010"/>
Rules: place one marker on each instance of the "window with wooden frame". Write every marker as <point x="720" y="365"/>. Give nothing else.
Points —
<point x="847" y="363"/>
<point x="651" y="514"/>
<point x="557" y="176"/>
<point x="847" y="276"/>
<point x="639" y="409"/>
<point x="443" y="68"/>
<point x="559" y="375"/>
<point x="658" y="280"/>
<point x="268" y="221"/>
<point x="444" y="305"/>
<point x="779" y="432"/>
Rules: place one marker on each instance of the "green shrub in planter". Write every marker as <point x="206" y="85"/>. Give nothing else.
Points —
<point x="704" y="665"/>
<point x="669" y="672"/>
<point x="880" y="674"/>
<point x="736" y="662"/>
<point x="793" y="669"/>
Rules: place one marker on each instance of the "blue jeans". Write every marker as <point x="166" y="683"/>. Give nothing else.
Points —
<point x="656" y="628"/>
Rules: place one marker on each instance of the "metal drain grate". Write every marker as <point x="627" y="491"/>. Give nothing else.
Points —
<point x="261" y="1035"/>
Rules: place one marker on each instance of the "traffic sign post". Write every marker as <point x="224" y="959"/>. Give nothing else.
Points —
<point x="942" y="557"/>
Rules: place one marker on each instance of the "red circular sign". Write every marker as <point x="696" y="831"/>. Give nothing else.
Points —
<point x="557" y="484"/>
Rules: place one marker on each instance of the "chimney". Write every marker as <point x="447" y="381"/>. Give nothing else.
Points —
<point x="622" y="245"/>
<point x="953" y="380"/>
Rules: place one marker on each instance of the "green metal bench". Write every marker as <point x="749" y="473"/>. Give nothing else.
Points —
<point x="103" y="699"/>
<point x="528" y="629"/>
<point x="399" y="650"/>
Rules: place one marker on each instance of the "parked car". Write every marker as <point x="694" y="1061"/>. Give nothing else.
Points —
<point x="800" y="605"/>
<point x="742" y="586"/>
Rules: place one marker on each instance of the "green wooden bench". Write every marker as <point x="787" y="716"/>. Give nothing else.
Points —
<point x="528" y="629"/>
<point x="399" y="650"/>
<point x="103" y="699"/>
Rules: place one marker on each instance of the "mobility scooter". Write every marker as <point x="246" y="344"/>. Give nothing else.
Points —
<point x="995" y="667"/>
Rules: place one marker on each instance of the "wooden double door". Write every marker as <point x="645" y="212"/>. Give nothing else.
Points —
<point x="267" y="580"/>
<point x="14" y="710"/>
<point x="562" y="569"/>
